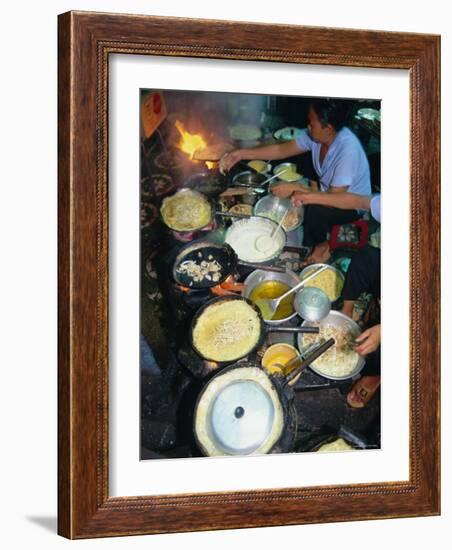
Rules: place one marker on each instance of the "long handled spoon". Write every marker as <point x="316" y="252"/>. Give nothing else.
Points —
<point x="268" y="307"/>
<point x="275" y="176"/>
<point x="264" y="243"/>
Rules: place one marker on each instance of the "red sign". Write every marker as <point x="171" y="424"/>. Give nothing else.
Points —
<point x="153" y="113"/>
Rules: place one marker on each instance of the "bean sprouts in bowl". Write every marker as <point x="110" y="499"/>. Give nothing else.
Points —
<point x="341" y="361"/>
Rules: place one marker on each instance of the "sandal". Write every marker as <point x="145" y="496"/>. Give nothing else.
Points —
<point x="363" y="391"/>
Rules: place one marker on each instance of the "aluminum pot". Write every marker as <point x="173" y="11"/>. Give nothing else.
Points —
<point x="248" y="178"/>
<point x="339" y="320"/>
<point x="259" y="276"/>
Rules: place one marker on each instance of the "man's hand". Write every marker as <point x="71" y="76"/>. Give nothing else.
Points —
<point x="305" y="196"/>
<point x="228" y="160"/>
<point x="369" y="340"/>
<point x="284" y="190"/>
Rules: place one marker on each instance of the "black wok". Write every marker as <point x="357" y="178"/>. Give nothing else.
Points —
<point x="204" y="250"/>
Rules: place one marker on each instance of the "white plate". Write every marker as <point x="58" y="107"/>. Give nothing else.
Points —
<point x="288" y="133"/>
<point x="369" y="114"/>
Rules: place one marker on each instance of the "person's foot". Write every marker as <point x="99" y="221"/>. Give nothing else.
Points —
<point x="320" y="254"/>
<point x="362" y="391"/>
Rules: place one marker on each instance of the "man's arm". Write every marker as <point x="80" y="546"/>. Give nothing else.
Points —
<point x="285" y="190"/>
<point x="343" y="200"/>
<point x="274" y="151"/>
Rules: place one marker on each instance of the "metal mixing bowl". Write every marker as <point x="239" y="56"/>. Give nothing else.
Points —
<point x="249" y="179"/>
<point x="259" y="276"/>
<point x="274" y="207"/>
<point x="339" y="320"/>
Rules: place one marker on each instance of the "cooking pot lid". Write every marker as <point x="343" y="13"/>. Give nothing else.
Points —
<point x="312" y="304"/>
<point x="239" y="412"/>
<point x="242" y="417"/>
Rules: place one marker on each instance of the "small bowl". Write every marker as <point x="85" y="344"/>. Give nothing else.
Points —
<point x="284" y="166"/>
<point x="281" y="354"/>
<point x="289" y="176"/>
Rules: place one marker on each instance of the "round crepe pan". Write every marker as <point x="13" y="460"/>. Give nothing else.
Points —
<point x="245" y="410"/>
<point x="263" y="328"/>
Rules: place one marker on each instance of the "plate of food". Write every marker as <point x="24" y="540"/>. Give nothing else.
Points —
<point x="287" y="171"/>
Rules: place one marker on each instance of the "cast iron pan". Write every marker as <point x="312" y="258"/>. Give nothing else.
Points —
<point x="204" y="250"/>
<point x="285" y="396"/>
<point x="262" y="330"/>
<point x="211" y="183"/>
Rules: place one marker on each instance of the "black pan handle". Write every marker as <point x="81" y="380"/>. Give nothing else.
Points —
<point x="232" y="215"/>
<point x="263" y="267"/>
<point x="303" y="363"/>
<point x="297" y="249"/>
<point x="305" y="330"/>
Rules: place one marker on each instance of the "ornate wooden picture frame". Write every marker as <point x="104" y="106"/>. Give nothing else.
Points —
<point x="86" y="40"/>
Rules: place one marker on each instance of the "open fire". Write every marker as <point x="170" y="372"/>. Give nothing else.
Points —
<point x="191" y="143"/>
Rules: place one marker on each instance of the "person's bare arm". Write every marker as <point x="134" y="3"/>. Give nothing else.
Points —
<point x="285" y="190"/>
<point x="274" y="151"/>
<point x="343" y="200"/>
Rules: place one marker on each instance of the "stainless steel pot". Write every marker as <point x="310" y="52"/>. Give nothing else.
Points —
<point x="259" y="276"/>
<point x="339" y="320"/>
<point x="248" y="178"/>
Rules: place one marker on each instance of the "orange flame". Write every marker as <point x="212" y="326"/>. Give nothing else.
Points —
<point x="189" y="143"/>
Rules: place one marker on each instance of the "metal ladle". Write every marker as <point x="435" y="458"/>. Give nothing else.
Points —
<point x="268" y="307"/>
<point x="265" y="242"/>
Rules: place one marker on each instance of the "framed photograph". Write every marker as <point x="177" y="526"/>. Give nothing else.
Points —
<point x="232" y="299"/>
